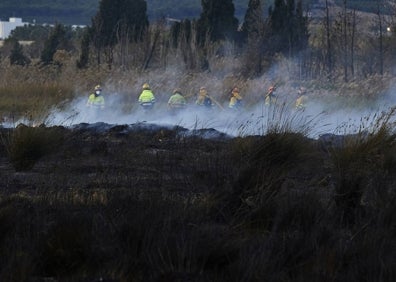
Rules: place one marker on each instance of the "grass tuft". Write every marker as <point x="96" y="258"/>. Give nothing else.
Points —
<point x="363" y="165"/>
<point x="26" y="145"/>
<point x="268" y="162"/>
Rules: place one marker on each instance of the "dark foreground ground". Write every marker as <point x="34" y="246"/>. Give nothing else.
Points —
<point x="148" y="203"/>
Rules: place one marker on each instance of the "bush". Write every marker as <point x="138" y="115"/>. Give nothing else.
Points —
<point x="268" y="162"/>
<point x="26" y="145"/>
<point x="363" y="159"/>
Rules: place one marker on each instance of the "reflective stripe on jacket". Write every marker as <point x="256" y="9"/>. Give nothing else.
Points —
<point x="235" y="101"/>
<point x="300" y="102"/>
<point x="270" y="99"/>
<point x="146" y="96"/>
<point x="177" y="100"/>
<point x="96" y="101"/>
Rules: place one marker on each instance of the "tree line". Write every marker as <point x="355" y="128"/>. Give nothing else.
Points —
<point x="120" y="35"/>
<point x="45" y="11"/>
<point x="73" y="12"/>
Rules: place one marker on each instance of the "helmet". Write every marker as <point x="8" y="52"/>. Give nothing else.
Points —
<point x="177" y="90"/>
<point x="98" y="88"/>
<point x="146" y="86"/>
<point x="202" y="89"/>
<point x="235" y="89"/>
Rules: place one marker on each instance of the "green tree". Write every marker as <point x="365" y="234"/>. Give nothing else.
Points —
<point x="181" y="35"/>
<point x="56" y="40"/>
<point x="82" y="62"/>
<point x="30" y="33"/>
<point x="119" y="20"/>
<point x="17" y="57"/>
<point x="175" y="34"/>
<point x="217" y="21"/>
<point x="180" y="32"/>
<point x="253" y="34"/>
<point x="14" y="51"/>
<point x="253" y="23"/>
<point x="289" y="27"/>
<point x="300" y="24"/>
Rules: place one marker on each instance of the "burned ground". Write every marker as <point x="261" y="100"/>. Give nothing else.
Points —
<point x="152" y="203"/>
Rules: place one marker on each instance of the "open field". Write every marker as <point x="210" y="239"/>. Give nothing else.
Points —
<point x="119" y="196"/>
<point x="99" y="202"/>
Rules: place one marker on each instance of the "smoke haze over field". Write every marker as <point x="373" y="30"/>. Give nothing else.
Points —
<point x="318" y="118"/>
<point x="326" y="111"/>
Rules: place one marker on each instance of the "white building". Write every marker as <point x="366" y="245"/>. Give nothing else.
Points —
<point x="7" y="27"/>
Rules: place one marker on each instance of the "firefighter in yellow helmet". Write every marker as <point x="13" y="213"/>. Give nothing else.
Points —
<point x="235" y="100"/>
<point x="301" y="98"/>
<point x="203" y="98"/>
<point x="270" y="97"/>
<point x="95" y="99"/>
<point x="177" y="101"/>
<point x="146" y="98"/>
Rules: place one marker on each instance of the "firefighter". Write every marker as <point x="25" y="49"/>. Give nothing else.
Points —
<point x="203" y="99"/>
<point x="146" y="98"/>
<point x="95" y="99"/>
<point x="301" y="99"/>
<point x="236" y="99"/>
<point x="177" y="101"/>
<point x="270" y="97"/>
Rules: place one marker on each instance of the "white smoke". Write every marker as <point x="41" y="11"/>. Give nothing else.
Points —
<point x="315" y="120"/>
<point x="320" y="116"/>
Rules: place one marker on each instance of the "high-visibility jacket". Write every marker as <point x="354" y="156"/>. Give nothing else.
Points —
<point x="300" y="102"/>
<point x="235" y="101"/>
<point x="177" y="101"/>
<point x="270" y="98"/>
<point x="96" y="101"/>
<point x="147" y="96"/>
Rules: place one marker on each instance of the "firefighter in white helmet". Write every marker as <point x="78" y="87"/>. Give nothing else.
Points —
<point x="95" y="99"/>
<point x="146" y="98"/>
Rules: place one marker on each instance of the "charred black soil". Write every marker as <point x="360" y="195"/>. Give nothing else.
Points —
<point x="150" y="203"/>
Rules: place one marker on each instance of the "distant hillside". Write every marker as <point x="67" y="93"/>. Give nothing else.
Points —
<point x="81" y="11"/>
<point x="190" y="8"/>
<point x="370" y="6"/>
<point x="50" y="11"/>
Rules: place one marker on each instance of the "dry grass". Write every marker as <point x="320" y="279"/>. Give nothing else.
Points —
<point x="32" y="91"/>
<point x="364" y="165"/>
<point x="31" y="101"/>
<point x="156" y="205"/>
<point x="26" y="145"/>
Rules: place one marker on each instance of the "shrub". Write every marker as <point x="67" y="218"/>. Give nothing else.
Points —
<point x="268" y="162"/>
<point x="65" y="248"/>
<point x="16" y="259"/>
<point x="26" y="145"/>
<point x="368" y="155"/>
<point x="31" y="101"/>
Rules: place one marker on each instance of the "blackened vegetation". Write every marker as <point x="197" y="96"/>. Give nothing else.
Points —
<point x="150" y="203"/>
